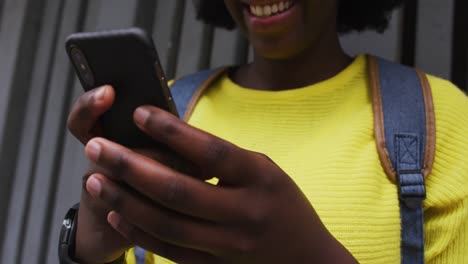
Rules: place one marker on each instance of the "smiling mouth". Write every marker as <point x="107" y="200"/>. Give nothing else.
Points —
<point x="268" y="10"/>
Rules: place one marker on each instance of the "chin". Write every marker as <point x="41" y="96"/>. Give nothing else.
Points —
<point x="279" y="51"/>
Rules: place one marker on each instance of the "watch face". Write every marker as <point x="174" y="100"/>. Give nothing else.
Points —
<point x="67" y="236"/>
<point x="67" y="223"/>
<point x="66" y="245"/>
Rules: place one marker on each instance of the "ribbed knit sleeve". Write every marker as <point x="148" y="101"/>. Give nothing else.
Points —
<point x="446" y="206"/>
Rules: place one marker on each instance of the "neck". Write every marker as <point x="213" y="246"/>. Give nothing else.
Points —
<point x="322" y="60"/>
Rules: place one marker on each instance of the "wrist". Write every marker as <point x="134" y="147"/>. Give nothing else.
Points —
<point x="67" y="240"/>
<point x="96" y="241"/>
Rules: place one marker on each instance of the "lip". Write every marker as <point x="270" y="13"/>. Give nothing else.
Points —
<point x="262" y="2"/>
<point x="271" y="23"/>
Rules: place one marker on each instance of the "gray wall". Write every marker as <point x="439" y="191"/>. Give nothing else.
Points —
<point x="41" y="164"/>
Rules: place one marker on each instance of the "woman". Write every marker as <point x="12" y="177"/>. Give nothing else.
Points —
<point x="321" y="195"/>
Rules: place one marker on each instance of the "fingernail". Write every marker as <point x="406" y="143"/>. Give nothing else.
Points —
<point x="100" y="93"/>
<point x="141" y="114"/>
<point x="114" y="219"/>
<point x="93" y="150"/>
<point x="94" y="187"/>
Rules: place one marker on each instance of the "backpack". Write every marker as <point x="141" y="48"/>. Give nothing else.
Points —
<point x="404" y="132"/>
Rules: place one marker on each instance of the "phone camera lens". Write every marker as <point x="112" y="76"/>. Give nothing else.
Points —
<point x="82" y="66"/>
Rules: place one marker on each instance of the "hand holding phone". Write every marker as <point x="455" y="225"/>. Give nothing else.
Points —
<point x="126" y="60"/>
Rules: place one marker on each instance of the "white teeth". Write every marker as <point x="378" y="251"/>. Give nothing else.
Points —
<point x="259" y="11"/>
<point x="268" y="10"/>
<point x="281" y="7"/>
<point x="274" y="8"/>
<point x="253" y="10"/>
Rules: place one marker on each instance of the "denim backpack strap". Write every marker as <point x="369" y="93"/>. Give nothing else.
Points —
<point x="187" y="90"/>
<point x="140" y="255"/>
<point x="405" y="136"/>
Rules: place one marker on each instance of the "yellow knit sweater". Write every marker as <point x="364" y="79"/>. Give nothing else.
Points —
<point x="322" y="136"/>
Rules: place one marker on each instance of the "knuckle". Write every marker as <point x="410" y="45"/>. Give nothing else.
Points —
<point x="168" y="126"/>
<point x="175" y="193"/>
<point x="272" y="183"/>
<point x="257" y="219"/>
<point x="78" y="118"/>
<point x="121" y="165"/>
<point x="84" y="179"/>
<point x="218" y="150"/>
<point x="256" y="216"/>
<point x="83" y="106"/>
<point x="272" y="177"/>
<point x="264" y="156"/>
<point x="90" y="170"/>
<point x="131" y="233"/>
<point x="73" y="126"/>
<point x="244" y="247"/>
<point x="115" y="200"/>
<point x="167" y="229"/>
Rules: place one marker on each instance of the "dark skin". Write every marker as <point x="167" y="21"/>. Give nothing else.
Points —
<point x="159" y="201"/>
<point x="305" y="51"/>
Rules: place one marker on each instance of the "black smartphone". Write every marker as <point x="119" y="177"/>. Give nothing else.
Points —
<point x="127" y="60"/>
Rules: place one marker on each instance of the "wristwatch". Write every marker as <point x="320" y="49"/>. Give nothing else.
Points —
<point x="67" y="238"/>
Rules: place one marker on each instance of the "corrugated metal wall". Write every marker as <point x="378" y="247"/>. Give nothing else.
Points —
<point x="41" y="164"/>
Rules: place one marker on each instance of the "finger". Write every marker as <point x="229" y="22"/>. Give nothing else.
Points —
<point x="157" y="246"/>
<point x="96" y="204"/>
<point x="167" y="158"/>
<point x="172" y="160"/>
<point x="215" y="157"/>
<point x="163" y="224"/>
<point x="83" y="118"/>
<point x="168" y="187"/>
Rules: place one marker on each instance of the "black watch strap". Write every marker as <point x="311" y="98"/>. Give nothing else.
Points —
<point x="68" y="237"/>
